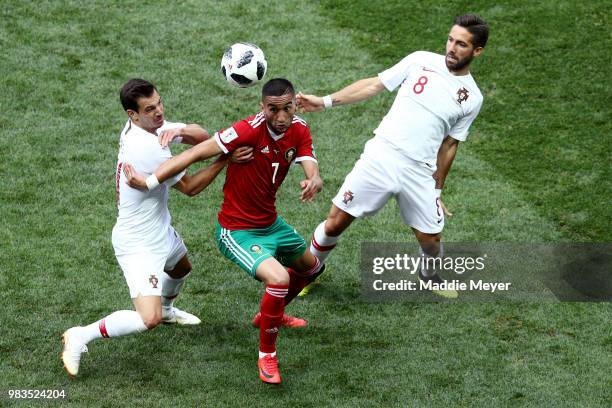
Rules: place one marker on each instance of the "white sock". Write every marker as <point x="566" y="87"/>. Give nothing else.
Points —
<point x="170" y="289"/>
<point x="262" y="354"/>
<point x="116" y="324"/>
<point x="322" y="244"/>
<point x="426" y="258"/>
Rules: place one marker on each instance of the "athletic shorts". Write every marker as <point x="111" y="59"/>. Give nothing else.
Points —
<point x="249" y="248"/>
<point x="381" y="173"/>
<point x="142" y="267"/>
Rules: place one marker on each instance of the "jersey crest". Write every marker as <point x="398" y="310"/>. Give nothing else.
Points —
<point x="462" y="95"/>
<point x="290" y="154"/>
<point x="347" y="197"/>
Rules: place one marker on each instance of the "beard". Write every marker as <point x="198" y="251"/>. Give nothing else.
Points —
<point x="459" y="65"/>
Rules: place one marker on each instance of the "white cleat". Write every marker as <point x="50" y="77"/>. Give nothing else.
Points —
<point x="73" y="348"/>
<point x="177" y="316"/>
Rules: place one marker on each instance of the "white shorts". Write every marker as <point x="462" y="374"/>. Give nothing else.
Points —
<point x="142" y="267"/>
<point x="382" y="173"/>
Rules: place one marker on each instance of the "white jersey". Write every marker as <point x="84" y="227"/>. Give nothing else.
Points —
<point x="431" y="104"/>
<point x="143" y="218"/>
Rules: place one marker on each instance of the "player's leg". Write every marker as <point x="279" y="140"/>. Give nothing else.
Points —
<point x="366" y="189"/>
<point x="253" y="250"/>
<point x="173" y="278"/>
<point x="272" y="307"/>
<point x="328" y="232"/>
<point x="145" y="291"/>
<point x="420" y="209"/>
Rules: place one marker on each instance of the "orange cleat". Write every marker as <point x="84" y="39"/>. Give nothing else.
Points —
<point x="268" y="369"/>
<point x="287" y="321"/>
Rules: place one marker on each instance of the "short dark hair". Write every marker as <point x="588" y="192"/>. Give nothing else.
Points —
<point x="134" y="89"/>
<point x="476" y="26"/>
<point x="277" y="87"/>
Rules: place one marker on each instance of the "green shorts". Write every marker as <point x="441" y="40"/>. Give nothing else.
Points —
<point x="249" y="248"/>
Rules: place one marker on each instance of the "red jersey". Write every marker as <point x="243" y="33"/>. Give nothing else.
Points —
<point x="249" y="193"/>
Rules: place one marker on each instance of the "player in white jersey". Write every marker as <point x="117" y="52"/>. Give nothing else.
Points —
<point x="150" y="252"/>
<point x="415" y="143"/>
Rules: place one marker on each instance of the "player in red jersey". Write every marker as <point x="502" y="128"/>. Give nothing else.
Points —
<point x="249" y="231"/>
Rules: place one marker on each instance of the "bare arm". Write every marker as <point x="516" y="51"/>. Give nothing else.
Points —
<point x="191" y="134"/>
<point x="355" y="92"/>
<point x="175" y="165"/>
<point x="313" y="183"/>
<point x="192" y="185"/>
<point x="446" y="155"/>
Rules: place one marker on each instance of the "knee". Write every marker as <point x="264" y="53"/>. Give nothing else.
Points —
<point x="430" y="243"/>
<point x="278" y="278"/>
<point x="151" y="320"/>
<point x="180" y="270"/>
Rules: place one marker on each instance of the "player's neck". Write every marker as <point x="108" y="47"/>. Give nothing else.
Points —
<point x="462" y="72"/>
<point x="148" y="130"/>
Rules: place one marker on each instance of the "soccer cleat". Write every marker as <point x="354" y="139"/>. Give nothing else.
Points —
<point x="268" y="369"/>
<point x="448" y="294"/>
<point x="286" y="321"/>
<point x="306" y="290"/>
<point x="180" y="317"/>
<point x="73" y="348"/>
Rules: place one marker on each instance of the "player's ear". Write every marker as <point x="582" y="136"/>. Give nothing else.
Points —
<point x="477" y="51"/>
<point x="132" y="114"/>
<point x="261" y="105"/>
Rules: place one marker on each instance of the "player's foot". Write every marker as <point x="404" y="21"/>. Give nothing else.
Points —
<point x="268" y="369"/>
<point x="73" y="348"/>
<point x="180" y="317"/>
<point x="448" y="294"/>
<point x="306" y="290"/>
<point x="287" y="321"/>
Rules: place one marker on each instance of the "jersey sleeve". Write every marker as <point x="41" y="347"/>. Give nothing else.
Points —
<point x="394" y="76"/>
<point x="305" y="150"/>
<point x="239" y="134"/>
<point x="460" y="129"/>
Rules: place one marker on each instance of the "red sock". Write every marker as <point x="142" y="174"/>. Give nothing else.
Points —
<point x="271" y="308"/>
<point x="300" y="281"/>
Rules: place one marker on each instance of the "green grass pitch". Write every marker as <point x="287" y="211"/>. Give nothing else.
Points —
<point x="536" y="168"/>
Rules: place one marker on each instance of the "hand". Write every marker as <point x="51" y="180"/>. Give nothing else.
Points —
<point x="309" y="103"/>
<point x="446" y="212"/>
<point x="242" y="154"/>
<point x="310" y="188"/>
<point x="133" y="178"/>
<point x="168" y="136"/>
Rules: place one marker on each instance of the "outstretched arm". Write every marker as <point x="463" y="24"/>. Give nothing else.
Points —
<point x="175" y="165"/>
<point x="313" y="183"/>
<point x="192" y="185"/>
<point x="355" y="92"/>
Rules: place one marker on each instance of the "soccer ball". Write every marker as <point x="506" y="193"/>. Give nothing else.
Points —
<point x="243" y="65"/>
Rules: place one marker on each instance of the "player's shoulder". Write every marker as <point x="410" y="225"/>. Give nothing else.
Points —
<point x="299" y="122"/>
<point x="254" y="121"/>
<point x="473" y="86"/>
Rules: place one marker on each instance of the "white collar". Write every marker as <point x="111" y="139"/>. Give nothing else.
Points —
<point x="274" y="135"/>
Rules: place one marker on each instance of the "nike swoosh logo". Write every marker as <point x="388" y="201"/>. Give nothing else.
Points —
<point x="265" y="374"/>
